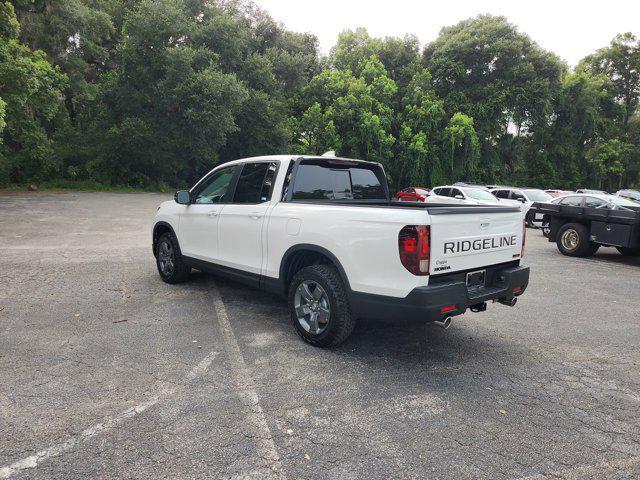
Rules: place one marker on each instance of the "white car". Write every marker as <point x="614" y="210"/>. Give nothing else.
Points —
<point x="526" y="197"/>
<point x="461" y="194"/>
<point x="630" y="194"/>
<point x="324" y="233"/>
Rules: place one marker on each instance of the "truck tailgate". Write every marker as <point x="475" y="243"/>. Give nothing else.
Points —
<point x="464" y="239"/>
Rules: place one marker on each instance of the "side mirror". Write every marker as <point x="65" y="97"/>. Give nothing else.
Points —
<point x="459" y="197"/>
<point x="183" y="197"/>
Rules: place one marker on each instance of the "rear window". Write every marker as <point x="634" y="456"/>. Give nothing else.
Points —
<point x="326" y="180"/>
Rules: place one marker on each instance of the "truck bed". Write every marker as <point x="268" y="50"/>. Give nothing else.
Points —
<point x="625" y="217"/>
<point x="620" y="227"/>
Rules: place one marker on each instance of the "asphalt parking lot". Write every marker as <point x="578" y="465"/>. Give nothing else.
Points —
<point x="107" y="372"/>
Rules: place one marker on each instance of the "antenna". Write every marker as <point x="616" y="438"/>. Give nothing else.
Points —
<point x="330" y="153"/>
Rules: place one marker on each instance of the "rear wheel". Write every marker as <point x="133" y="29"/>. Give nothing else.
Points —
<point x="629" y="252"/>
<point x="529" y="219"/>
<point x="319" y="306"/>
<point x="573" y="240"/>
<point x="169" y="259"/>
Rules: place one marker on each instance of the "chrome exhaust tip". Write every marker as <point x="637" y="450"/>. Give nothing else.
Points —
<point x="444" y="324"/>
<point x="509" y="302"/>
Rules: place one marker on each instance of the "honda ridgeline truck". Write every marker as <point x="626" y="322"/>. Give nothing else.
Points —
<point x="323" y="233"/>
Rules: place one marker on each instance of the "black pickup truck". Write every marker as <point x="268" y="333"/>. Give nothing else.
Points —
<point x="580" y="228"/>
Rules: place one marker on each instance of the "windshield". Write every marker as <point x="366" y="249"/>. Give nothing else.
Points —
<point x="623" y="202"/>
<point x="478" y="194"/>
<point x="538" y="195"/>
<point x="421" y="191"/>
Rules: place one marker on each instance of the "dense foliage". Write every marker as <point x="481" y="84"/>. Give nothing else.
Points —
<point x="155" y="92"/>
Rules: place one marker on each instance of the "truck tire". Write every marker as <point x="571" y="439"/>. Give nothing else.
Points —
<point x="529" y="219"/>
<point x="319" y="306"/>
<point x="629" y="252"/>
<point x="169" y="259"/>
<point x="573" y="241"/>
<point x="546" y="230"/>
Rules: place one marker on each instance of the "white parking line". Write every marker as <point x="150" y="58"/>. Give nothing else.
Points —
<point x="107" y="424"/>
<point x="246" y="389"/>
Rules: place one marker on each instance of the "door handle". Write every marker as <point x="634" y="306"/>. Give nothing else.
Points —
<point x="255" y="216"/>
<point x="213" y="213"/>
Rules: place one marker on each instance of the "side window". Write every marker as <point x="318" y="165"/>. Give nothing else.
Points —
<point x="455" y="192"/>
<point x="254" y="183"/>
<point x="501" y="193"/>
<point x="594" y="202"/>
<point x="517" y="196"/>
<point x="214" y="189"/>
<point x="572" y="201"/>
<point x="445" y="192"/>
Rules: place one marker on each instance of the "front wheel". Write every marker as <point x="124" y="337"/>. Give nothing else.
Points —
<point x="546" y="230"/>
<point x="319" y="306"/>
<point x="573" y="241"/>
<point x="629" y="252"/>
<point x="169" y="259"/>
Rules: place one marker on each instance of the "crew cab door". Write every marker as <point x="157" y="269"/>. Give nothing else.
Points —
<point x="241" y="221"/>
<point x="198" y="227"/>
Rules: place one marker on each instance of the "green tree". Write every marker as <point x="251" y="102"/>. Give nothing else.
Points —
<point x="418" y="159"/>
<point x="30" y="90"/>
<point x="167" y="109"/>
<point x="485" y="68"/>
<point x="620" y="61"/>
<point x="356" y="111"/>
<point x="609" y="161"/>
<point x="75" y="35"/>
<point x="461" y="136"/>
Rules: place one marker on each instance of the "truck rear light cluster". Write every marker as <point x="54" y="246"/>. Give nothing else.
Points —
<point x="414" y="246"/>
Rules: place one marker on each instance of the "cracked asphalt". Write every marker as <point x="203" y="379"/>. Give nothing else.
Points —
<point x="107" y="372"/>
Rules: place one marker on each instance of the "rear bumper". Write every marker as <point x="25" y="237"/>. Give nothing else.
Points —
<point x="426" y="303"/>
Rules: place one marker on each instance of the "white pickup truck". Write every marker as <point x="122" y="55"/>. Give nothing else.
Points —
<point x="323" y="232"/>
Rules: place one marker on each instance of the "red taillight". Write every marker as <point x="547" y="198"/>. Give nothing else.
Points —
<point x="448" y="308"/>
<point x="413" y="244"/>
<point x="524" y="237"/>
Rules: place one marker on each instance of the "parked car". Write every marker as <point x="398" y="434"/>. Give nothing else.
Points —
<point x="558" y="193"/>
<point x="589" y="190"/>
<point x="323" y="233"/>
<point x="629" y="194"/>
<point x="413" y="194"/>
<point x="526" y="196"/>
<point x="581" y="223"/>
<point x="474" y="185"/>
<point x="462" y="194"/>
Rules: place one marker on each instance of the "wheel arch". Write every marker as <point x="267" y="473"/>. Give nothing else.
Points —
<point x="305" y="254"/>
<point x="159" y="229"/>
